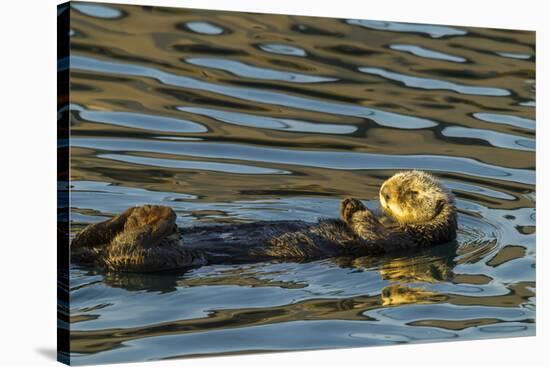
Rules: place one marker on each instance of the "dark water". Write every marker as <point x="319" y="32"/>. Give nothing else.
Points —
<point x="236" y="117"/>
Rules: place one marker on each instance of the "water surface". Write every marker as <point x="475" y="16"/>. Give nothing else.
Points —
<point x="236" y="117"/>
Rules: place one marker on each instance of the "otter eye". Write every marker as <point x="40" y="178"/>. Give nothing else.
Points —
<point x="414" y="194"/>
<point x="385" y="193"/>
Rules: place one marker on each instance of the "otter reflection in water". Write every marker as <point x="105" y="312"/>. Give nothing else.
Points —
<point x="416" y="211"/>
<point x="408" y="274"/>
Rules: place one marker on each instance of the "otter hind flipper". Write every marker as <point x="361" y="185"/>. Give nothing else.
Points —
<point x="142" y="239"/>
<point x="102" y="233"/>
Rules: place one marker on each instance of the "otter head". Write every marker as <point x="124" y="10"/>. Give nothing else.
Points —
<point x="413" y="197"/>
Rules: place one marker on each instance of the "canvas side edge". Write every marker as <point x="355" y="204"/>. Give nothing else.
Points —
<point x="63" y="184"/>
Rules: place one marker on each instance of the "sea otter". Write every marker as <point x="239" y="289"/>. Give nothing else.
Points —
<point x="416" y="211"/>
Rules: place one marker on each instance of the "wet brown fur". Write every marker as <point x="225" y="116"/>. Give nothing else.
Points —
<point x="416" y="211"/>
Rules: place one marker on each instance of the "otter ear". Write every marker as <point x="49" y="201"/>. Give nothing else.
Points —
<point x="439" y="206"/>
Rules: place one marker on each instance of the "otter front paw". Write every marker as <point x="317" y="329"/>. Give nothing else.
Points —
<point x="348" y="207"/>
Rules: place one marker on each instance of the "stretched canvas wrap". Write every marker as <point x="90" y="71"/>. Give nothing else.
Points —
<point x="233" y="182"/>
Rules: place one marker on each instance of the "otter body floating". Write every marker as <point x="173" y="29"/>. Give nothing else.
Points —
<point x="416" y="211"/>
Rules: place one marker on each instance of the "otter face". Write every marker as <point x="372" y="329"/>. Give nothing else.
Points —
<point x="413" y="197"/>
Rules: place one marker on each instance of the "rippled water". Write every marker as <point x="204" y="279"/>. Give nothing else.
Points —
<point x="236" y="117"/>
